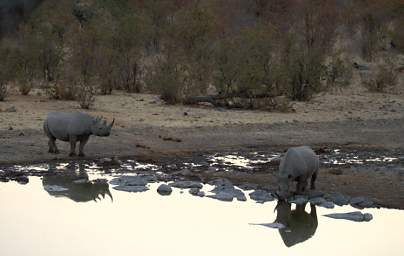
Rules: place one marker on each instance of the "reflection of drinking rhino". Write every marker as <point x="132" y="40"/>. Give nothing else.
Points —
<point x="299" y="225"/>
<point x="76" y="186"/>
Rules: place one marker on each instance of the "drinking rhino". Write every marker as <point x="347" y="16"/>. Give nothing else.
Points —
<point x="73" y="127"/>
<point x="299" y="164"/>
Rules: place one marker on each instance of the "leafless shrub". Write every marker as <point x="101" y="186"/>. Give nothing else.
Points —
<point x="85" y="95"/>
<point x="386" y="76"/>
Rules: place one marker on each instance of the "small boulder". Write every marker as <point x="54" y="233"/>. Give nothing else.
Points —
<point x="338" y="199"/>
<point x="196" y="192"/>
<point x="186" y="184"/>
<point x="138" y="180"/>
<point x="22" y="179"/>
<point x="134" y="189"/>
<point x="319" y="201"/>
<point x="261" y="196"/>
<point x="361" y="202"/>
<point x="299" y="200"/>
<point x="164" y="190"/>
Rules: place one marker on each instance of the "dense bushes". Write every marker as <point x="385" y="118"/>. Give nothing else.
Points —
<point x="245" y="49"/>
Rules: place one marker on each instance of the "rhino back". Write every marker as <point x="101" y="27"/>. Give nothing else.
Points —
<point x="298" y="161"/>
<point x="61" y="125"/>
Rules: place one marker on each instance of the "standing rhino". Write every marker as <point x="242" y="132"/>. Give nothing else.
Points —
<point x="74" y="127"/>
<point x="299" y="164"/>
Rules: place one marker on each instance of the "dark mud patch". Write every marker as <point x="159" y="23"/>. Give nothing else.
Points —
<point x="376" y="176"/>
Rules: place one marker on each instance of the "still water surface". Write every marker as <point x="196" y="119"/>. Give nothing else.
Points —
<point x="36" y="222"/>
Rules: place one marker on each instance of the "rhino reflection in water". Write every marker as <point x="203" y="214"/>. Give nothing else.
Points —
<point x="299" y="224"/>
<point x="76" y="186"/>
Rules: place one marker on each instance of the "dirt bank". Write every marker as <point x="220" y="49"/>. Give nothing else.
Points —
<point x="147" y="129"/>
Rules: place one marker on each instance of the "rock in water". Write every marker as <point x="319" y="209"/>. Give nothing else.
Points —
<point x="164" y="190"/>
<point x="352" y="216"/>
<point x="138" y="180"/>
<point x="186" y="184"/>
<point x="196" y="192"/>
<point x="338" y="199"/>
<point x="261" y="196"/>
<point x="132" y="188"/>
<point x="361" y="202"/>
<point x="298" y="199"/>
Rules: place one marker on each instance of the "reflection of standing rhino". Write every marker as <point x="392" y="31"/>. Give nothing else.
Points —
<point x="299" y="225"/>
<point x="76" y="186"/>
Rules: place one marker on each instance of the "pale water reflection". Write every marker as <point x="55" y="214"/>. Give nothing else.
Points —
<point x="35" y="222"/>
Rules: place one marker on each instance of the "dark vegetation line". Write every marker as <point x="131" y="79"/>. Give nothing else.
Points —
<point x="255" y="54"/>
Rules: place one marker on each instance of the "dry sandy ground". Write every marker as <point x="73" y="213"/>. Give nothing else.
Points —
<point x="147" y="129"/>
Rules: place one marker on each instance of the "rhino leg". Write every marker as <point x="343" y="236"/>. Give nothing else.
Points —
<point x="313" y="180"/>
<point x="52" y="139"/>
<point x="52" y="146"/>
<point x="73" y="140"/>
<point x="83" y="142"/>
<point x="301" y="184"/>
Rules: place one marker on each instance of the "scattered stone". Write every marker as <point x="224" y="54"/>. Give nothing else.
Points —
<point x="220" y="182"/>
<point x="352" y="216"/>
<point x="261" y="196"/>
<point x="186" y="184"/>
<point x="54" y="188"/>
<point x="225" y="189"/>
<point x="185" y="113"/>
<point x="361" y="202"/>
<point x="338" y="199"/>
<point x="132" y="188"/>
<point x="319" y="201"/>
<point x="314" y="194"/>
<point x="11" y="109"/>
<point x="4" y="179"/>
<point x="196" y="192"/>
<point x="247" y="186"/>
<point x="139" y="180"/>
<point x="21" y="134"/>
<point x="299" y="200"/>
<point x="223" y="196"/>
<point x="22" y="179"/>
<point x="10" y="128"/>
<point x="164" y="190"/>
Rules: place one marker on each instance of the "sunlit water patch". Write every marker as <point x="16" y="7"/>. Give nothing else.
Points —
<point x="84" y="215"/>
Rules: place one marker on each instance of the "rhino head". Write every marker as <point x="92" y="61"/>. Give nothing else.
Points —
<point x="283" y="189"/>
<point x="100" y="127"/>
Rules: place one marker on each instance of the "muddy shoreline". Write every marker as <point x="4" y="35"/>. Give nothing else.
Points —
<point x="169" y="147"/>
<point x="149" y="142"/>
<point x="157" y="133"/>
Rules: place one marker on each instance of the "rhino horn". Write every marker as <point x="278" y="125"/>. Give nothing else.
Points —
<point x="112" y="123"/>
<point x="110" y="195"/>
